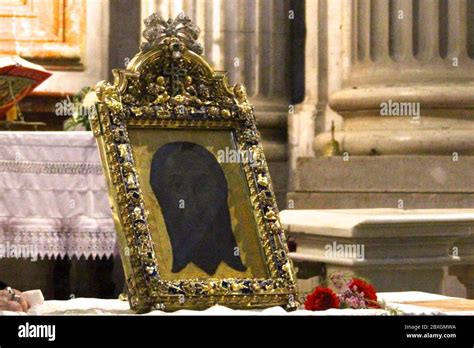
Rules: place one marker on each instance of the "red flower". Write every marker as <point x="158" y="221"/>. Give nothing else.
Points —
<point x="362" y="287"/>
<point x="321" y="299"/>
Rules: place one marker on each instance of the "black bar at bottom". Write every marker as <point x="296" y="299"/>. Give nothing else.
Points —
<point x="242" y="330"/>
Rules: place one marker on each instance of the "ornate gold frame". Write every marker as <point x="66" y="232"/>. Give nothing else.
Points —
<point x="142" y="96"/>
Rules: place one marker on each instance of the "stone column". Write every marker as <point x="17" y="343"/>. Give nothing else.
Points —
<point x="250" y="40"/>
<point x="406" y="51"/>
<point x="406" y="73"/>
<point x="301" y="127"/>
<point x="322" y="72"/>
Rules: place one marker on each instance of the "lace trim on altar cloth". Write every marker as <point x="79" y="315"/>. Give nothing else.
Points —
<point x="11" y="166"/>
<point x="48" y="238"/>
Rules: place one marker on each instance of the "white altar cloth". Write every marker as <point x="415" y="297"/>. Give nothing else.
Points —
<point x="53" y="197"/>
<point x="95" y="306"/>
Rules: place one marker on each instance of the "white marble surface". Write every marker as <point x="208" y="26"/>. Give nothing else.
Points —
<point x="413" y="246"/>
<point x="312" y="220"/>
<point x="95" y="306"/>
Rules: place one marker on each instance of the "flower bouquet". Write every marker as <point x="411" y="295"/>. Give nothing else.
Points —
<point x="343" y="291"/>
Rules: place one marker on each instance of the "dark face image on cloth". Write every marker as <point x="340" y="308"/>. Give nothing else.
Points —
<point x="192" y="191"/>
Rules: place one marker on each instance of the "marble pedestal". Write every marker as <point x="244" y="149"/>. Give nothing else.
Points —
<point x="398" y="250"/>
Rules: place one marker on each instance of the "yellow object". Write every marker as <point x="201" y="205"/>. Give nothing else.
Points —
<point x="12" y="114"/>
<point x="332" y="147"/>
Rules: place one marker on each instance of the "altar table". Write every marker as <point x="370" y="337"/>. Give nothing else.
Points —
<point x="409" y="303"/>
<point x="53" y="195"/>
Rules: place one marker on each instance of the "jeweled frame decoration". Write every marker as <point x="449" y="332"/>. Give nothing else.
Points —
<point x="169" y="85"/>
